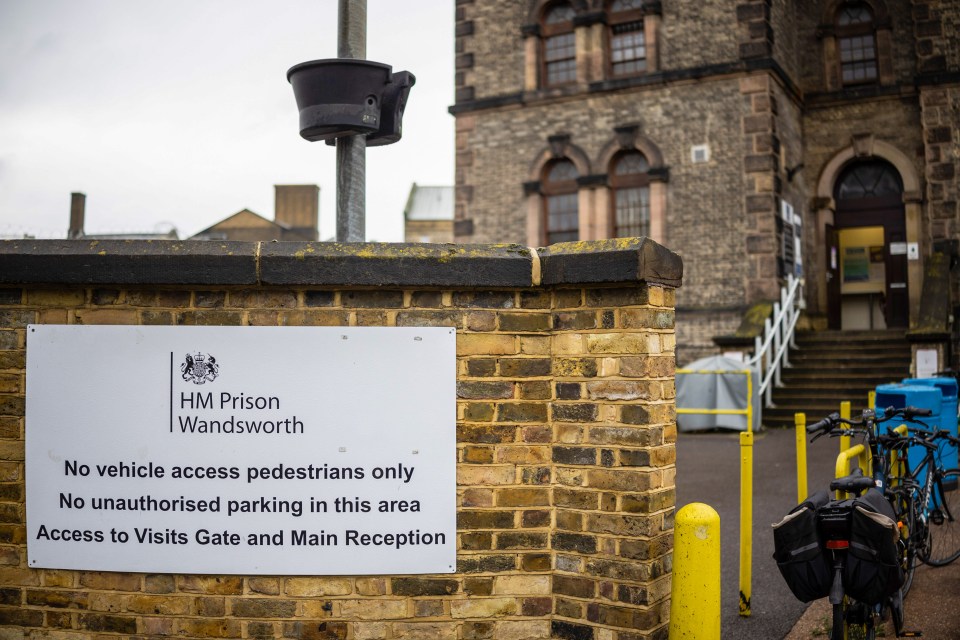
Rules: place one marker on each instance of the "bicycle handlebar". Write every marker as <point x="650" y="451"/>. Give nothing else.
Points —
<point x="909" y="413"/>
<point x="825" y="424"/>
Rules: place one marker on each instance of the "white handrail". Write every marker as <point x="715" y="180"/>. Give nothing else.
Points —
<point x="771" y="351"/>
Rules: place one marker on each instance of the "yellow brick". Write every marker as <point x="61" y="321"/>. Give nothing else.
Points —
<point x="485" y="474"/>
<point x="483" y="608"/>
<point x="369" y="631"/>
<point x="538" y="585"/>
<point x="52" y="316"/>
<point x="569" y="477"/>
<point x="163" y="605"/>
<point x="623" y="480"/>
<point x="669" y="477"/>
<point x="106" y="316"/>
<point x="56" y="298"/>
<point x="655" y="296"/>
<point x="523" y="455"/>
<point x="568" y="344"/>
<point x="425" y="630"/>
<point x="380" y="609"/>
<point x="11" y="450"/>
<point x="569" y="433"/>
<point x="106" y="601"/>
<point x="10" y="576"/>
<point x="10" y="556"/>
<point x="654" y="344"/>
<point x="371" y="586"/>
<point x="609" y="367"/>
<point x="52" y="578"/>
<point x="522" y="629"/>
<point x="669" y="342"/>
<point x="535" y="345"/>
<point x="472" y="344"/>
<point x="313" y="587"/>
<point x="266" y="586"/>
<point x="10" y="383"/>
<point x="617" y="343"/>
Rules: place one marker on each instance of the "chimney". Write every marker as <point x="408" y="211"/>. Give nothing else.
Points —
<point x="297" y="207"/>
<point x="78" y="204"/>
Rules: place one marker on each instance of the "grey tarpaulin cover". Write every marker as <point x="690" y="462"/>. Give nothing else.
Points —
<point x="715" y="391"/>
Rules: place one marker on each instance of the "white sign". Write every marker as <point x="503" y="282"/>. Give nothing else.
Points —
<point x="927" y="363"/>
<point x="250" y="450"/>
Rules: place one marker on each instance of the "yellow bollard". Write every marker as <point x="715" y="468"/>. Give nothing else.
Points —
<point x="845" y="414"/>
<point x="800" y="421"/>
<point x="695" y="601"/>
<point x="746" y="520"/>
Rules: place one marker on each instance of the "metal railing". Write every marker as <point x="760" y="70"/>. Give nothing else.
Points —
<point x="770" y="353"/>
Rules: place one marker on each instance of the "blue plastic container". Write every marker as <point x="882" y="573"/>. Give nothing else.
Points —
<point x="899" y="396"/>
<point x="948" y="413"/>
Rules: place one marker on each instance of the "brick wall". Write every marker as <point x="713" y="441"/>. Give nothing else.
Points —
<point x="565" y="434"/>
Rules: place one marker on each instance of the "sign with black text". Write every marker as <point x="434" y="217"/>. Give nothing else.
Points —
<point x="241" y="450"/>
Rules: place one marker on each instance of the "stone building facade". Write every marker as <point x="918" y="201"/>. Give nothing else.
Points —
<point x="756" y="138"/>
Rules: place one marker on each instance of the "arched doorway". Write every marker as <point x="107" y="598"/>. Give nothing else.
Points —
<point x="867" y="283"/>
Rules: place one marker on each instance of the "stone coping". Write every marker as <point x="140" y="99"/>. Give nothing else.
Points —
<point x="172" y="262"/>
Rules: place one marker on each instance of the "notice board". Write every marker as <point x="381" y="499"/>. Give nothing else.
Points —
<point x="241" y="450"/>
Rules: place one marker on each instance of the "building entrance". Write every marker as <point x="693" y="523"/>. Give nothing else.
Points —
<point x="866" y="253"/>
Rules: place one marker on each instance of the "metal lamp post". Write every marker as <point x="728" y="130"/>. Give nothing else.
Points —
<point x="351" y="103"/>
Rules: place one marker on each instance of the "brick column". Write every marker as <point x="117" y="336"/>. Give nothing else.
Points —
<point x="565" y="433"/>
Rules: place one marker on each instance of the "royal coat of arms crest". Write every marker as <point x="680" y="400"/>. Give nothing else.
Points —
<point x="200" y="368"/>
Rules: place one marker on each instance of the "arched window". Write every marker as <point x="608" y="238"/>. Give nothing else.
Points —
<point x="857" y="44"/>
<point x="630" y="183"/>
<point x="869" y="179"/>
<point x="559" y="49"/>
<point x="626" y="38"/>
<point x="560" y="209"/>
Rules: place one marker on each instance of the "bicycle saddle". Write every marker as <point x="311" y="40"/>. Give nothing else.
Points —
<point x="853" y="483"/>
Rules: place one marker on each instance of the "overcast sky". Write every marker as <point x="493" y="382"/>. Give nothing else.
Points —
<point x="178" y="112"/>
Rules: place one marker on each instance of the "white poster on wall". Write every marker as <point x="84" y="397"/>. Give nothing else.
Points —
<point x="241" y="450"/>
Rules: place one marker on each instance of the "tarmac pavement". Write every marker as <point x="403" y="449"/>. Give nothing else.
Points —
<point x="708" y="471"/>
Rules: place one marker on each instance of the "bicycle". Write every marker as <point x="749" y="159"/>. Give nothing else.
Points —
<point x="931" y="505"/>
<point x="890" y="564"/>
<point x="850" y="550"/>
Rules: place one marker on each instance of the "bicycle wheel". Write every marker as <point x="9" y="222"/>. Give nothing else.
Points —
<point x="837" y="632"/>
<point x="911" y="543"/>
<point x="944" y="520"/>
<point x="852" y="621"/>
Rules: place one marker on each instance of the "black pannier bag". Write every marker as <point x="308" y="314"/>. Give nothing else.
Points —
<point x="798" y="552"/>
<point x="872" y="571"/>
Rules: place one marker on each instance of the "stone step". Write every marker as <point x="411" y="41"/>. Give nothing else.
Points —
<point x="832" y="366"/>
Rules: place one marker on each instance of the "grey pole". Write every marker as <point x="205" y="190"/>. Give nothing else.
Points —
<point x="351" y="150"/>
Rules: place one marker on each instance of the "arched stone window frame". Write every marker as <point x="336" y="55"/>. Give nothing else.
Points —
<point x="587" y="27"/>
<point x="863" y="147"/>
<point x="646" y="12"/>
<point x="539" y="34"/>
<point x="629" y="191"/>
<point x="558" y="147"/>
<point x="831" y="34"/>
<point x="629" y="138"/>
